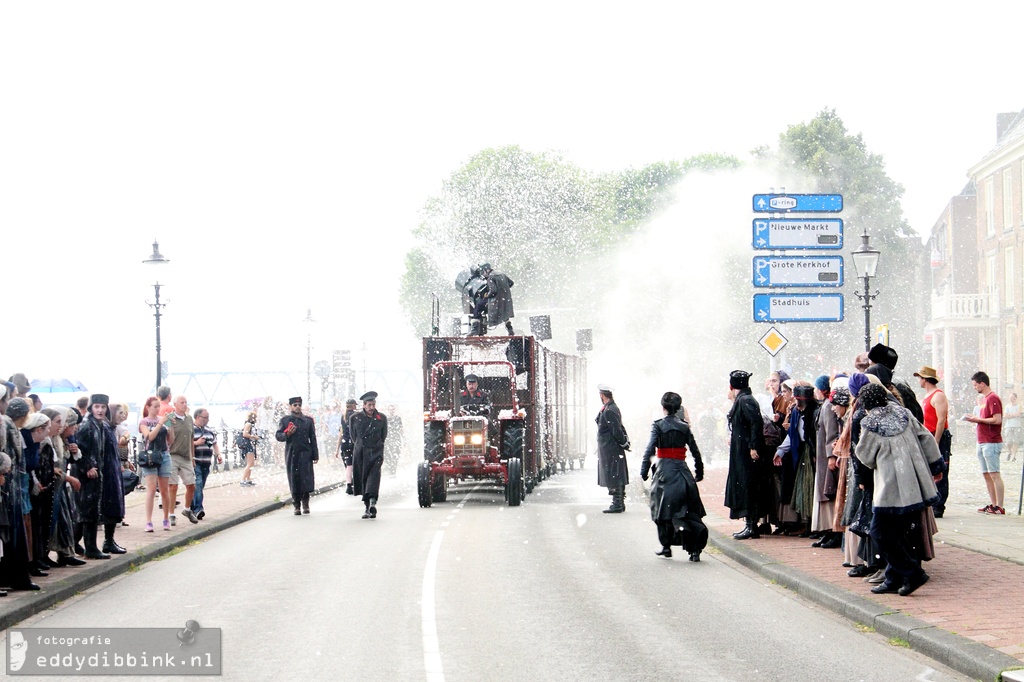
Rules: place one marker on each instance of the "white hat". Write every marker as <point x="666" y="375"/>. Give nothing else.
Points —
<point x="35" y="420"/>
<point x="605" y="388"/>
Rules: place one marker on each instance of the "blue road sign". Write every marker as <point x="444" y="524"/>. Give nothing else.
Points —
<point x="798" y="203"/>
<point x="798" y="307"/>
<point x="798" y="233"/>
<point x="798" y="271"/>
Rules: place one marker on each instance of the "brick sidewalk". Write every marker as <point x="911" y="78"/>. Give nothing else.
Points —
<point x="970" y="594"/>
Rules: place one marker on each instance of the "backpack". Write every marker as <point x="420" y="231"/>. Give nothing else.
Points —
<point x="773" y="434"/>
<point x="240" y="440"/>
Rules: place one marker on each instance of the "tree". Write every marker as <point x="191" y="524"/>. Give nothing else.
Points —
<point x="838" y="162"/>
<point x="535" y="216"/>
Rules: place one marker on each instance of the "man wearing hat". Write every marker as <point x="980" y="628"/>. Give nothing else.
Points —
<point x="473" y="396"/>
<point x="21" y="386"/>
<point x="747" y="463"/>
<point x="345" y="443"/>
<point x="612" y="443"/>
<point x="369" y="431"/>
<point x="100" y="498"/>
<point x="298" y="433"/>
<point x="936" y="420"/>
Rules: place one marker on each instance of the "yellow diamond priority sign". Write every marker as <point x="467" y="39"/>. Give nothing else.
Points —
<point x="773" y="341"/>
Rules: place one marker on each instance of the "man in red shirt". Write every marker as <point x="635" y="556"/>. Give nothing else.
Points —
<point x="990" y="442"/>
<point x="936" y="420"/>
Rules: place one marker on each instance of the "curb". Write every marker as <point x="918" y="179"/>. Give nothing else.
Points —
<point x="954" y="651"/>
<point x="76" y="583"/>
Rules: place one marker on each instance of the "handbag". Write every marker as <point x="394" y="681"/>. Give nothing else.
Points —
<point x="150" y="457"/>
<point x="129" y="480"/>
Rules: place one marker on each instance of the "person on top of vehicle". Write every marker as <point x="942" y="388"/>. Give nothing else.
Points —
<point x="473" y="401"/>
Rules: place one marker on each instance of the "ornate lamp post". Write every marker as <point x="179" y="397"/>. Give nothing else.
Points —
<point x="157" y="258"/>
<point x="865" y="260"/>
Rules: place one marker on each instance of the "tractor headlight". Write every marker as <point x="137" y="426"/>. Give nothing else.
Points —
<point x="477" y="439"/>
<point x="460" y="439"/>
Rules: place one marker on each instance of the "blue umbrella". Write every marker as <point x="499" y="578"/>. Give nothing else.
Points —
<point x="57" y="386"/>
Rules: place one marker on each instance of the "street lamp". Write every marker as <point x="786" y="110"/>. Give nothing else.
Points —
<point x="157" y="258"/>
<point x="309" y="354"/>
<point x="865" y="260"/>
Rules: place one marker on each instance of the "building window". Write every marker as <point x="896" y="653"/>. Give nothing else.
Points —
<point x="990" y="281"/>
<point x="1007" y="200"/>
<point x="990" y="207"/>
<point x="1009" y="280"/>
<point x="1009" y="376"/>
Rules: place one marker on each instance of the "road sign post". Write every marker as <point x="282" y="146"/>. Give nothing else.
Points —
<point x="798" y="271"/>
<point x="797" y="233"/>
<point x="798" y="307"/>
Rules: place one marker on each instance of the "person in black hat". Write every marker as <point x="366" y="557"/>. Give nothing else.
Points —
<point x="345" y="443"/>
<point x="612" y="444"/>
<point x="369" y="431"/>
<point x="473" y="400"/>
<point x="880" y="354"/>
<point x="298" y="433"/>
<point x="101" y="497"/>
<point x="747" y="457"/>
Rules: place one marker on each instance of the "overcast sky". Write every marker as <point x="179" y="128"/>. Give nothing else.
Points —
<point x="280" y="151"/>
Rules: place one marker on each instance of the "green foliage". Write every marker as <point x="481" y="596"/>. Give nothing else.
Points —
<point x="838" y="162"/>
<point x="533" y="215"/>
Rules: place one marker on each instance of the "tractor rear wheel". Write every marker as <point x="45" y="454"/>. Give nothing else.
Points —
<point x="514" y="487"/>
<point x="423" y="483"/>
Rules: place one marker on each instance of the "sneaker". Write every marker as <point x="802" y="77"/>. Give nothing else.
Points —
<point x="987" y="509"/>
<point x="167" y="524"/>
<point x="201" y="515"/>
<point x="174" y="520"/>
<point x="998" y="510"/>
<point x="877" y="579"/>
<point x="190" y="515"/>
<point x="149" y="527"/>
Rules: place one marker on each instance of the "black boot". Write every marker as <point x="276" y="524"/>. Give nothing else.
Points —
<point x="665" y="552"/>
<point x="749" y="532"/>
<point x="79" y="550"/>
<point x="109" y="545"/>
<point x="618" y="501"/>
<point x="831" y="540"/>
<point x="373" y="508"/>
<point x="366" y="511"/>
<point x="89" y="538"/>
<point x="305" y="503"/>
<point x="349" y="490"/>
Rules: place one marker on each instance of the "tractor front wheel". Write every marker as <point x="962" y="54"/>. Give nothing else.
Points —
<point x="423" y="484"/>
<point x="514" y="487"/>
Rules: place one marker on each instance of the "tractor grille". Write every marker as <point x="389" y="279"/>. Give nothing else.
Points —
<point x="465" y="431"/>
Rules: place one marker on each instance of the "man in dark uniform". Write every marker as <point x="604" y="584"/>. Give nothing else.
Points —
<point x="101" y="498"/>
<point x="369" y="430"/>
<point x="298" y="433"/>
<point x="345" y="443"/>
<point x="473" y="400"/>
<point x="746" y="463"/>
<point x="612" y="443"/>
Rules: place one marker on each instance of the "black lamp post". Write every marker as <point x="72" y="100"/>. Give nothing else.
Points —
<point x="157" y="258"/>
<point x="865" y="260"/>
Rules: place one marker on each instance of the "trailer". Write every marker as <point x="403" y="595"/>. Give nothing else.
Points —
<point x="534" y="428"/>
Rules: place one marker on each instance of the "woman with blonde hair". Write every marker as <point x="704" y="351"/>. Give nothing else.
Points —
<point x="250" y="436"/>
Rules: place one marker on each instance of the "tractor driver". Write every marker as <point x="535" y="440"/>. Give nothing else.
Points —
<point x="473" y="400"/>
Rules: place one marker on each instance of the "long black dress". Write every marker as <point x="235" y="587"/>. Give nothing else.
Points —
<point x="369" y="431"/>
<point x="676" y="507"/>
<point x="300" y="451"/>
<point x="612" y="470"/>
<point x="744" y="486"/>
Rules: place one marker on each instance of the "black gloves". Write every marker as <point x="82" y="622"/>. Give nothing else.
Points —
<point x="700" y="474"/>
<point x="644" y="475"/>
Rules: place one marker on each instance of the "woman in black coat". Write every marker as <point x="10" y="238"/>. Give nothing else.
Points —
<point x="676" y="507"/>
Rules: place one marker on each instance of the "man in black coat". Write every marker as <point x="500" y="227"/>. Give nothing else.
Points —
<point x="746" y="447"/>
<point x="298" y="433"/>
<point x="369" y="431"/>
<point x="612" y="443"/>
<point x="101" y="497"/>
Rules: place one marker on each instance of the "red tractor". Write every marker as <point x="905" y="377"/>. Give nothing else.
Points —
<point x="472" y="442"/>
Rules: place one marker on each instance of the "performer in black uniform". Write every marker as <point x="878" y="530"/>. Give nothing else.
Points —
<point x="369" y="430"/>
<point x="676" y="507"/>
<point x="473" y="400"/>
<point x="298" y="433"/>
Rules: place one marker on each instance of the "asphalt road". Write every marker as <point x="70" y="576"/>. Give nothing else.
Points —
<point x="474" y="590"/>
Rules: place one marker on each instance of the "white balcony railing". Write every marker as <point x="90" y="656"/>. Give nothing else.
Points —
<point x="964" y="307"/>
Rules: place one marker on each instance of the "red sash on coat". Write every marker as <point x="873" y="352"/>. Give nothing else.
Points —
<point x="671" y="453"/>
